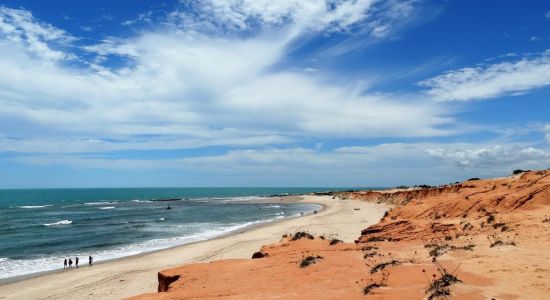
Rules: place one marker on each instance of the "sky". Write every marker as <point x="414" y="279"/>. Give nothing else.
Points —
<point x="324" y="93"/>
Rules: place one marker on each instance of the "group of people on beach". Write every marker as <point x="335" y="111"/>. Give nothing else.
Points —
<point x="68" y="264"/>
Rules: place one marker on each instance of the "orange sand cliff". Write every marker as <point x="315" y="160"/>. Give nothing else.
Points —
<point x="482" y="239"/>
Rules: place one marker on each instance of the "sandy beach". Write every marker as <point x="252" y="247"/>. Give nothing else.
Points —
<point x="136" y="275"/>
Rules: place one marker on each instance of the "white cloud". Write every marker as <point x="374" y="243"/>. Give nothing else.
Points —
<point x="63" y="146"/>
<point x="375" y="16"/>
<point x="19" y="27"/>
<point x="547" y="14"/>
<point x="546" y="131"/>
<point x="494" y="157"/>
<point x="143" y="18"/>
<point x="378" y="165"/>
<point x="274" y="166"/>
<point x="182" y="89"/>
<point x="493" y="80"/>
<point x="180" y="86"/>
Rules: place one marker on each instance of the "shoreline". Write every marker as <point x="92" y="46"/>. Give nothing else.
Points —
<point x="267" y="200"/>
<point x="136" y="274"/>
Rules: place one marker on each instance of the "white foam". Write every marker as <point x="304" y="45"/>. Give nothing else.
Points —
<point x="63" y="222"/>
<point x="107" y="207"/>
<point x="99" y="203"/>
<point x="11" y="268"/>
<point x="34" y="206"/>
<point x="141" y="201"/>
<point x="238" y="199"/>
<point x="162" y="219"/>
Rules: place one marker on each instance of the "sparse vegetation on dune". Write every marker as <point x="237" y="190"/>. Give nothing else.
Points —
<point x="495" y="240"/>
<point x="301" y="235"/>
<point x="374" y="284"/>
<point x="383" y="265"/>
<point x="335" y="241"/>
<point x="440" y="247"/>
<point x="440" y="285"/>
<point x="518" y="171"/>
<point x="379" y="263"/>
<point x="309" y="260"/>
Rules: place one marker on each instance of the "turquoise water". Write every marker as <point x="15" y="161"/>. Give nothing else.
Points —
<point x="39" y="227"/>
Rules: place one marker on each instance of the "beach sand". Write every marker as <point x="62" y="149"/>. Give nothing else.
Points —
<point x="136" y="275"/>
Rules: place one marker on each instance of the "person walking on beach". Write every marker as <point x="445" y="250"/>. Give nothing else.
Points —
<point x="70" y="263"/>
<point x="65" y="264"/>
<point x="90" y="260"/>
<point x="76" y="261"/>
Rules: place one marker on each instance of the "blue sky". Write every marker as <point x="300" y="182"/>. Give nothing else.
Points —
<point x="271" y="93"/>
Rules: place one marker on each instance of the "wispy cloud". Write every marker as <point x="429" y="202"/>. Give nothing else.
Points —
<point x="495" y="156"/>
<point x="175" y="88"/>
<point x="217" y="77"/>
<point x="38" y="38"/>
<point x="306" y="15"/>
<point x="383" y="164"/>
<point x="491" y="80"/>
<point x="547" y="132"/>
<point x="143" y="18"/>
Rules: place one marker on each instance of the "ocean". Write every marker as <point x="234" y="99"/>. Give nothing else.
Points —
<point x="40" y="227"/>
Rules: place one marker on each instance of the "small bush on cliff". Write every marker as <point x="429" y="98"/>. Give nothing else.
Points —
<point x="370" y="254"/>
<point x="499" y="224"/>
<point x="368" y="248"/>
<point x="259" y="254"/>
<point x="467" y="226"/>
<point x="374" y="285"/>
<point x="495" y="240"/>
<point x="518" y="171"/>
<point x="375" y="239"/>
<point x="439" y="286"/>
<point x="440" y="247"/>
<point x="309" y="260"/>
<point x="439" y="250"/>
<point x="300" y="235"/>
<point x="468" y="247"/>
<point x="383" y="265"/>
<point x="424" y="186"/>
<point x="368" y="288"/>
<point x="335" y="241"/>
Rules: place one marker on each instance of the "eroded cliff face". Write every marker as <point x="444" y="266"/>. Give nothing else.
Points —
<point x="478" y="239"/>
<point x="432" y="213"/>
<point x="502" y="194"/>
